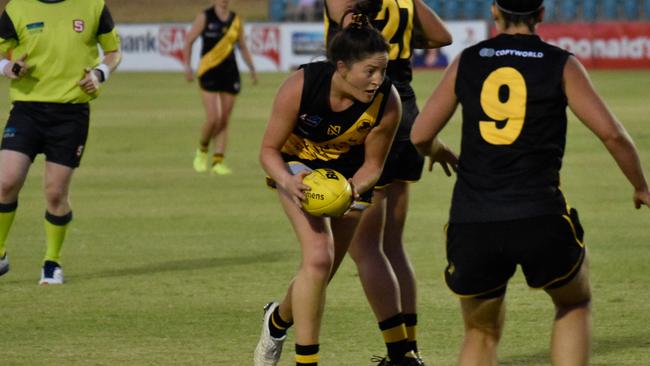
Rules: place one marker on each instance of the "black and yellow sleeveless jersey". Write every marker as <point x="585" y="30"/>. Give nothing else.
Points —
<point x="395" y="22"/>
<point x="219" y="40"/>
<point x="514" y="130"/>
<point x="323" y="138"/>
<point x="60" y="39"/>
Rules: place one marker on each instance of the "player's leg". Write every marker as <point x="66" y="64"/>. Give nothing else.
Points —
<point x="397" y="198"/>
<point x="212" y="108"/>
<point x="571" y="338"/>
<point x="13" y="171"/>
<point x="377" y="278"/>
<point x="483" y="319"/>
<point x="220" y="134"/>
<point x="309" y="286"/>
<point x="58" y="216"/>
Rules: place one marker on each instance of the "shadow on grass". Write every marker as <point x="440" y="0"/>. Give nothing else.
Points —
<point x="601" y="346"/>
<point x="174" y="266"/>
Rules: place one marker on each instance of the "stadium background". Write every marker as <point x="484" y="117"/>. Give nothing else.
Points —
<point x="166" y="267"/>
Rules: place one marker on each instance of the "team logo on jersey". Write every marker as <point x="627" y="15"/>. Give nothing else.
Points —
<point x="78" y="25"/>
<point x="10" y="132"/>
<point x="486" y="52"/>
<point x="33" y="26"/>
<point x="310" y="121"/>
<point x="334" y="130"/>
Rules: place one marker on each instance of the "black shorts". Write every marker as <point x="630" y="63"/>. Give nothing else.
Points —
<point x="403" y="163"/>
<point x="223" y="78"/>
<point x="483" y="256"/>
<point x="57" y="130"/>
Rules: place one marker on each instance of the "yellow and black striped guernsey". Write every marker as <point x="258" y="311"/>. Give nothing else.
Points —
<point x="323" y="138"/>
<point x="219" y="39"/>
<point x="514" y="130"/>
<point x="49" y="32"/>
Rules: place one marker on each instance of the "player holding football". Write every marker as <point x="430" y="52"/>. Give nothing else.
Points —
<point x="378" y="248"/>
<point x="55" y="70"/>
<point x="507" y="208"/>
<point x="220" y="30"/>
<point x="341" y="114"/>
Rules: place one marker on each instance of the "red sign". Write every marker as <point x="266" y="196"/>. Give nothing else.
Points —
<point x="264" y="40"/>
<point x="603" y="45"/>
<point x="171" y="40"/>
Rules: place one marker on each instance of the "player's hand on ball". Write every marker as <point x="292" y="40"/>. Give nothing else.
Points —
<point x="296" y="188"/>
<point x="90" y="82"/>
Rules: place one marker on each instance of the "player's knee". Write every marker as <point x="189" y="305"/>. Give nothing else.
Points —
<point x="319" y="262"/>
<point x="56" y="196"/>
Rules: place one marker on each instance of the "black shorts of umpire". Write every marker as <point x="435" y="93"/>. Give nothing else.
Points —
<point x="482" y="257"/>
<point x="55" y="129"/>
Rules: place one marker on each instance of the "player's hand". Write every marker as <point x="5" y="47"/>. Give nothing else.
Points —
<point x="296" y="188"/>
<point x="254" y="78"/>
<point x="442" y="154"/>
<point x="189" y="74"/>
<point x="90" y="82"/>
<point x="355" y="197"/>
<point x="16" y="69"/>
<point x="641" y="197"/>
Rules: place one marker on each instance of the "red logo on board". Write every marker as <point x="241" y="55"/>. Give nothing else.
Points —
<point x="171" y="41"/>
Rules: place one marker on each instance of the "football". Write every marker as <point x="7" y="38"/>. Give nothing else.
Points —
<point x="330" y="193"/>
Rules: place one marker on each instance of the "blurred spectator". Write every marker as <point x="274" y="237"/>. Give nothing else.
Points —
<point x="303" y="10"/>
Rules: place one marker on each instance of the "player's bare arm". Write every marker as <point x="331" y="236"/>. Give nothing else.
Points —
<point x="589" y="107"/>
<point x="435" y="114"/>
<point x="377" y="144"/>
<point x="278" y="130"/>
<point x="247" y="55"/>
<point x="190" y="38"/>
<point x="430" y="31"/>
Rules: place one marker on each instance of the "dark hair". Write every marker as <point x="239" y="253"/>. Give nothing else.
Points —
<point x="356" y="42"/>
<point x="520" y="12"/>
<point x="368" y="7"/>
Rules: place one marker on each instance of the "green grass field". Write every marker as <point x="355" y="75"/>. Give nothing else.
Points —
<point x="168" y="267"/>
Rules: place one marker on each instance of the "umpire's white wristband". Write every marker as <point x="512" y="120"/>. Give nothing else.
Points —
<point x="4" y="62"/>
<point x="106" y="71"/>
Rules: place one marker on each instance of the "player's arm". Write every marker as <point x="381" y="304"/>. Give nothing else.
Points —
<point x="190" y="38"/>
<point x="337" y="8"/>
<point x="435" y="114"/>
<point x="589" y="107"/>
<point x="430" y="31"/>
<point x="107" y="37"/>
<point x="12" y="69"/>
<point x="246" y="54"/>
<point x="281" y="123"/>
<point x="377" y="144"/>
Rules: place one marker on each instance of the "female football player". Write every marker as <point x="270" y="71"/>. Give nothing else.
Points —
<point x="340" y="114"/>
<point x="378" y="248"/>
<point x="221" y="30"/>
<point x="507" y="208"/>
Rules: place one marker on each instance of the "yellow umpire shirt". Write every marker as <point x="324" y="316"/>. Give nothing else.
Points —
<point x="60" y="39"/>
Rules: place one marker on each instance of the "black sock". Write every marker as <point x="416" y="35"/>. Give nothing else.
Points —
<point x="411" y="322"/>
<point x="394" y="333"/>
<point x="307" y="355"/>
<point x="277" y="326"/>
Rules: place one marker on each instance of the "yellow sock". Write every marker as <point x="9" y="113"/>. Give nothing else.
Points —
<point x="7" y="214"/>
<point x="217" y="159"/>
<point x="55" y="229"/>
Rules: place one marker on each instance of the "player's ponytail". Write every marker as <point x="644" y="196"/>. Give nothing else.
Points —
<point x="356" y="41"/>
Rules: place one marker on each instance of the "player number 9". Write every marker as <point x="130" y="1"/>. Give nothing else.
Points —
<point x="512" y="110"/>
